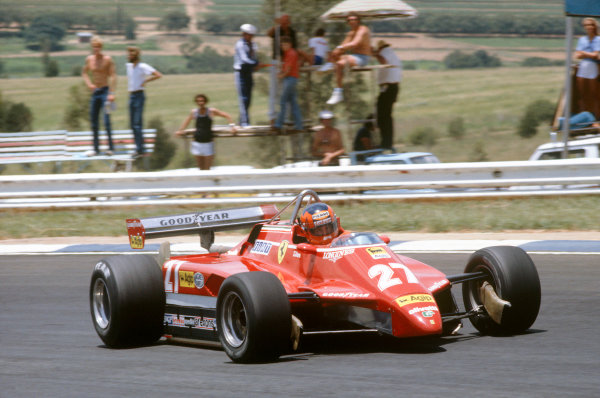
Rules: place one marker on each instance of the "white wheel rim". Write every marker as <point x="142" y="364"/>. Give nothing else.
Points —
<point x="101" y="304"/>
<point x="235" y="327"/>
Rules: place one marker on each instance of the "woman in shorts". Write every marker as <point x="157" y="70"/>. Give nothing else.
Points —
<point x="203" y="147"/>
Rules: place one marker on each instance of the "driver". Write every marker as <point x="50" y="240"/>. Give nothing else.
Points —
<point x="319" y="223"/>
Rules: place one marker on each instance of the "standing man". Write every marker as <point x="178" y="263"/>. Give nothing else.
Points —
<point x="245" y="61"/>
<point x="102" y="84"/>
<point x="282" y="28"/>
<point x="138" y="74"/>
<point x="358" y="43"/>
<point x="290" y="72"/>
<point x="327" y="143"/>
<point x="389" y="86"/>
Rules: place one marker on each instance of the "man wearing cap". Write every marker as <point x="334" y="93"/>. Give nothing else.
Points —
<point x="389" y="87"/>
<point x="138" y="75"/>
<point x="245" y="61"/>
<point x="327" y="143"/>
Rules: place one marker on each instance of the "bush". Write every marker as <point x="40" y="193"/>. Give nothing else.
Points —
<point x="77" y="109"/>
<point x="539" y="61"/>
<point x="423" y="136"/>
<point x="51" y="68"/>
<point x="536" y="112"/>
<point x="174" y="21"/>
<point x="456" y="127"/>
<point x="479" y="59"/>
<point x="478" y="154"/>
<point x="209" y="61"/>
<point x="164" y="147"/>
<point x="18" y="117"/>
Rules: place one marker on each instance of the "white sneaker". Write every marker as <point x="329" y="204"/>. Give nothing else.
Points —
<point x="336" y="97"/>
<point x="326" y="67"/>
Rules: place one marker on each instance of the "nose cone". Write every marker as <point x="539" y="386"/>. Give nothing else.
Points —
<point x="416" y="315"/>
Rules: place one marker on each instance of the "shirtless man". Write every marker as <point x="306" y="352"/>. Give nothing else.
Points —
<point x="327" y="143"/>
<point x="102" y="84"/>
<point x="358" y="43"/>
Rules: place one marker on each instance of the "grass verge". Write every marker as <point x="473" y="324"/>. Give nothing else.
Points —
<point x="494" y="215"/>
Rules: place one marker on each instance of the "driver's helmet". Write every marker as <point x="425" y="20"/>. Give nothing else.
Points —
<point x="319" y="223"/>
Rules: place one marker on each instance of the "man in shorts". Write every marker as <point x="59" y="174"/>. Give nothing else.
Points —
<point x="358" y="45"/>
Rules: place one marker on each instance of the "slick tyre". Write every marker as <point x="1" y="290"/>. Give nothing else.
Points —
<point x="127" y="300"/>
<point x="253" y="317"/>
<point x="514" y="278"/>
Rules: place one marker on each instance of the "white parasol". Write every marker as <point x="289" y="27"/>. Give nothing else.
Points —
<point x="370" y="10"/>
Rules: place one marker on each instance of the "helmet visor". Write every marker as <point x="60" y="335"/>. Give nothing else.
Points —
<point x="322" y="230"/>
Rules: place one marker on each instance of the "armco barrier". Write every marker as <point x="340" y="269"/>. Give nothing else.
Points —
<point x="422" y="181"/>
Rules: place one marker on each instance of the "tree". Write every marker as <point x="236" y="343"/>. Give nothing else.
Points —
<point x="174" y="21"/>
<point x="45" y="32"/>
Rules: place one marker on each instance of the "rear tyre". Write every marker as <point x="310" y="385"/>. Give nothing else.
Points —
<point x="253" y="317"/>
<point x="127" y="300"/>
<point x="513" y="276"/>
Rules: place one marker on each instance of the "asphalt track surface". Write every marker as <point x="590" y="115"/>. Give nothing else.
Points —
<point x="48" y="347"/>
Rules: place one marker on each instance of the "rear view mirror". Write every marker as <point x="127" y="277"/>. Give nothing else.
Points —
<point x="307" y="248"/>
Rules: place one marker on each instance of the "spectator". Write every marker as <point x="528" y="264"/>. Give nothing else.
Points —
<point x="290" y="72"/>
<point x="389" y="86"/>
<point x="363" y="141"/>
<point x="245" y="62"/>
<point x="588" y="87"/>
<point x="203" y="147"/>
<point x="102" y="84"/>
<point x="358" y="42"/>
<point x="319" y="47"/>
<point x="138" y="75"/>
<point x="327" y="143"/>
<point x="282" y="28"/>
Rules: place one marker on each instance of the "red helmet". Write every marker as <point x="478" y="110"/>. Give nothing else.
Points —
<point x="319" y="223"/>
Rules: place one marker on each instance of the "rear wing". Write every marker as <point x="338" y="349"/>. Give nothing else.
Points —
<point x="205" y="224"/>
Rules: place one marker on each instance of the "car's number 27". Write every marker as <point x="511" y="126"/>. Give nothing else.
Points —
<point x="386" y="275"/>
<point x="172" y="286"/>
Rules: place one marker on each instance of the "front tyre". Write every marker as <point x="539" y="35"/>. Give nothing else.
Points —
<point x="514" y="278"/>
<point x="127" y="300"/>
<point x="253" y="317"/>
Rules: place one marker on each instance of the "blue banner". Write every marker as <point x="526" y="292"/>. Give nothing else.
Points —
<point x="582" y="8"/>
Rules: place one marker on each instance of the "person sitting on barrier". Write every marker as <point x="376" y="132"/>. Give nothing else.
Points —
<point x="581" y="120"/>
<point x="327" y="143"/>
<point x="358" y="42"/>
<point x="203" y="146"/>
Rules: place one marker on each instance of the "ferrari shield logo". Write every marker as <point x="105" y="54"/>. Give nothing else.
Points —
<point x="282" y="249"/>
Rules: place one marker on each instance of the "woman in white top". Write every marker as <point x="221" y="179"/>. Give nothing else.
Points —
<point x="588" y="48"/>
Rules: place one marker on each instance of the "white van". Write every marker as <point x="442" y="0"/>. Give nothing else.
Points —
<point x="585" y="147"/>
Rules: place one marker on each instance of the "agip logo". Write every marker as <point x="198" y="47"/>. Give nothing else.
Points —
<point x="377" y="252"/>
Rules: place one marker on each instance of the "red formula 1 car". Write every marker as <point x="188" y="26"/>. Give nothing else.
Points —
<point x="259" y="298"/>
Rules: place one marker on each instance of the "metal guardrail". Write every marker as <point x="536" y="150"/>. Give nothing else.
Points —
<point x="243" y="185"/>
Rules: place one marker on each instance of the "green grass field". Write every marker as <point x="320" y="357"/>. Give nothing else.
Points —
<point x="578" y="214"/>
<point x="491" y="102"/>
